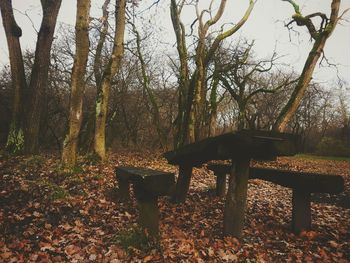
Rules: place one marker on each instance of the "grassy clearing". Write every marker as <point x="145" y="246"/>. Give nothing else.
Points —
<point x="319" y="157"/>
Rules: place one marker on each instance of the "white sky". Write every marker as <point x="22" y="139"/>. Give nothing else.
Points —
<point x="265" y="26"/>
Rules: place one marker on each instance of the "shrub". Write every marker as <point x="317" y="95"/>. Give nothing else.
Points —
<point x="333" y="147"/>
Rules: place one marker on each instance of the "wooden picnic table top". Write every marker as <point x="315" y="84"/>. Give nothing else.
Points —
<point x="259" y="145"/>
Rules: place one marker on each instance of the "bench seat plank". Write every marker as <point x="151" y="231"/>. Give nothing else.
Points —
<point x="303" y="184"/>
<point x="308" y="182"/>
<point x="153" y="181"/>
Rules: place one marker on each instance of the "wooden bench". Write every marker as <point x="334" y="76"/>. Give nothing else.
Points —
<point x="148" y="185"/>
<point x="302" y="184"/>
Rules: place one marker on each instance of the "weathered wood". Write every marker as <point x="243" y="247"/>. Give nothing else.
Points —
<point x="153" y="181"/>
<point x="301" y="211"/>
<point x="148" y="210"/>
<point x="241" y="147"/>
<point x="148" y="185"/>
<point x="243" y="144"/>
<point x="123" y="191"/>
<point x="183" y="184"/>
<point x="236" y="198"/>
<point x="260" y="145"/>
<point x="303" y="184"/>
<point x="220" y="185"/>
<point x="307" y="182"/>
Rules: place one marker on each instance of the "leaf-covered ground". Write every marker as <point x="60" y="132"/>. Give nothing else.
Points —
<point x="50" y="216"/>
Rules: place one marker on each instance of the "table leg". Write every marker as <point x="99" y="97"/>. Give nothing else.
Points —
<point x="236" y="198"/>
<point x="220" y="184"/>
<point x="183" y="184"/>
<point x="124" y="194"/>
<point x="301" y="214"/>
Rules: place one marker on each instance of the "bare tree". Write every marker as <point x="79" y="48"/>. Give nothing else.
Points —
<point x="319" y="34"/>
<point x="192" y="87"/>
<point x="39" y="75"/>
<point x="109" y="72"/>
<point x="244" y="77"/>
<point x="15" y="139"/>
<point x="77" y="83"/>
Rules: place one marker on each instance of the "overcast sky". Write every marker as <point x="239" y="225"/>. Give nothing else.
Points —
<point x="265" y="26"/>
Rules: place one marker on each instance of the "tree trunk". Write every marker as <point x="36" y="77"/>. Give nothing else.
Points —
<point x="320" y="38"/>
<point x="182" y="121"/>
<point x="109" y="73"/>
<point x="15" y="139"/>
<point x="39" y="74"/>
<point x="77" y="83"/>
<point x="213" y="107"/>
<point x="153" y="108"/>
<point x="293" y="103"/>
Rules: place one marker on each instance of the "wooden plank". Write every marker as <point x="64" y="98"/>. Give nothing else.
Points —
<point x="221" y="185"/>
<point x="236" y="198"/>
<point x="154" y="181"/>
<point x="301" y="211"/>
<point x="183" y="184"/>
<point x="251" y="144"/>
<point x="309" y="182"/>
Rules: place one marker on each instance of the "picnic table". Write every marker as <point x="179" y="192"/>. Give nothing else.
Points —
<point x="239" y="147"/>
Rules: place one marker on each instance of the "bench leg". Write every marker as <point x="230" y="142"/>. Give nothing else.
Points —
<point x="149" y="215"/>
<point x="183" y="184"/>
<point x="301" y="213"/>
<point x="220" y="185"/>
<point x="123" y="191"/>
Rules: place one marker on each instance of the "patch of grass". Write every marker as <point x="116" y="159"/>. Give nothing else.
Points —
<point x="4" y="155"/>
<point x="97" y="177"/>
<point x="133" y="238"/>
<point x="65" y="173"/>
<point x="74" y="171"/>
<point x="318" y="157"/>
<point x="35" y="160"/>
<point x="58" y="193"/>
<point x="53" y="191"/>
<point x="91" y="158"/>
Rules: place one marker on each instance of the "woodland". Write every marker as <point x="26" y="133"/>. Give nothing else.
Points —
<point x="96" y="96"/>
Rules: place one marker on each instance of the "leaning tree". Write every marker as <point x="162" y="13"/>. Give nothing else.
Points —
<point x="319" y="33"/>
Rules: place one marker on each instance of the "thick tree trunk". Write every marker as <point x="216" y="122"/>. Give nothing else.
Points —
<point x="15" y="139"/>
<point x="39" y="74"/>
<point x="110" y="71"/>
<point x="77" y="83"/>
<point x="182" y="122"/>
<point x="200" y="89"/>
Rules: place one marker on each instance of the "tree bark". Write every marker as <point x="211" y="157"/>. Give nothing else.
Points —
<point x="39" y="74"/>
<point x="112" y="68"/>
<point x="70" y="144"/>
<point x="192" y="89"/>
<point x="182" y="122"/>
<point x="320" y="38"/>
<point x="153" y="108"/>
<point x="15" y="139"/>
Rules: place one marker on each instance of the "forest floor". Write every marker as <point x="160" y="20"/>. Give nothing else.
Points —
<point x="47" y="215"/>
